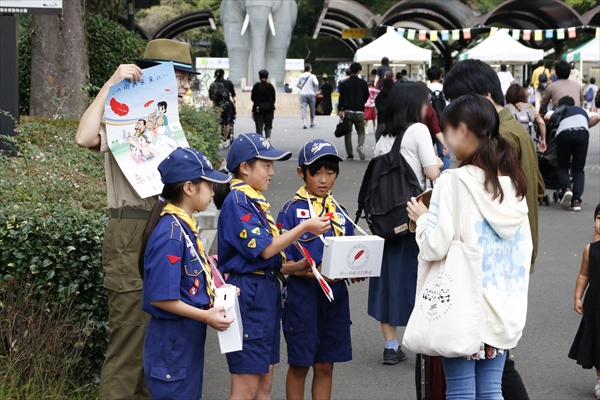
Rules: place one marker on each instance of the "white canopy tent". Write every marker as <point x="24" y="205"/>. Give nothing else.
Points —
<point x="394" y="47"/>
<point x="588" y="52"/>
<point x="502" y="48"/>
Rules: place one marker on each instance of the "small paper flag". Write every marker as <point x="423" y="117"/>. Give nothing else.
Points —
<point x="400" y="31"/>
<point x="598" y="32"/>
<point x="445" y="36"/>
<point x="455" y="34"/>
<point x="422" y="34"/>
<point x="549" y="33"/>
<point x="433" y="36"/>
<point x="389" y="29"/>
<point x="537" y="35"/>
<point x="467" y="33"/>
<point x="526" y="34"/>
<point x="493" y="30"/>
<point x="572" y="33"/>
<point x="560" y="34"/>
<point x="410" y="34"/>
<point x="516" y="34"/>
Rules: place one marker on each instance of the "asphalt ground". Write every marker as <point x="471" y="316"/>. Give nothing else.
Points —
<point x="541" y="356"/>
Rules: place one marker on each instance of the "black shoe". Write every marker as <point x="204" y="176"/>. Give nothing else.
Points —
<point x="392" y="357"/>
<point x="349" y="157"/>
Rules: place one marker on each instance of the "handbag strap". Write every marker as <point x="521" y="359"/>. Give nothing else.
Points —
<point x="456" y="217"/>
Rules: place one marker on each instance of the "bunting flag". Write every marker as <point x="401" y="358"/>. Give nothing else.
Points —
<point x="526" y="34"/>
<point x="537" y="35"/>
<point x="400" y="31"/>
<point x="411" y="34"/>
<point x="389" y="29"/>
<point x="467" y="33"/>
<point x="433" y="36"/>
<point x="549" y="33"/>
<point x="572" y="33"/>
<point x="422" y="34"/>
<point x="455" y="34"/>
<point x="516" y="34"/>
<point x="493" y="30"/>
<point x="446" y="36"/>
<point x="598" y="32"/>
<point x="560" y="34"/>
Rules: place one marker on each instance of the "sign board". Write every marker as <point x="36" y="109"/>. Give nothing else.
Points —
<point x="31" y="6"/>
<point x="212" y="63"/>
<point x="355" y="33"/>
<point x="294" y="64"/>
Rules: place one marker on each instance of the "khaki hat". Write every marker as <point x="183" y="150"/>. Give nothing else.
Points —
<point x="159" y="51"/>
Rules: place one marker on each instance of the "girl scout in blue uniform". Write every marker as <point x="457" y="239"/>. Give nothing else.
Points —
<point x="251" y="252"/>
<point x="178" y="286"/>
<point x="317" y="331"/>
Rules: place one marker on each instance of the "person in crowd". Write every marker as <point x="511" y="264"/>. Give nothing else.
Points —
<point x="263" y="104"/>
<point x="539" y="79"/>
<point x="346" y="77"/>
<point x="438" y="102"/>
<point x="381" y="104"/>
<point x="250" y="251"/>
<point x="516" y="101"/>
<point x="572" y="141"/>
<point x="326" y="90"/>
<point x="287" y="88"/>
<point x="530" y="91"/>
<point x="381" y="71"/>
<point x="575" y="75"/>
<point x="433" y="125"/>
<point x="591" y="91"/>
<point x="586" y="346"/>
<point x="392" y="295"/>
<point x="317" y="331"/>
<point x="373" y="76"/>
<point x="390" y="75"/>
<point x="222" y="94"/>
<point x="122" y="375"/>
<point x="553" y="77"/>
<point x="506" y="78"/>
<point x="354" y="93"/>
<point x="179" y="289"/>
<point x="562" y="87"/>
<point x="494" y="211"/>
<point x="370" y="112"/>
<point x="309" y="86"/>
<point x="476" y="77"/>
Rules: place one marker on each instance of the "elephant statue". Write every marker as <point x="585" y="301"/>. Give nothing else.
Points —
<point x="257" y="34"/>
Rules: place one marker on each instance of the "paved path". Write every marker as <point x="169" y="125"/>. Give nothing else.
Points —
<point x="541" y="357"/>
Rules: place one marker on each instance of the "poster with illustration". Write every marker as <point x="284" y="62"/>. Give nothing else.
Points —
<point x="142" y="126"/>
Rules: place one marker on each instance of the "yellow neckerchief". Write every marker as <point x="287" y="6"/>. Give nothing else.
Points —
<point x="322" y="206"/>
<point x="211" y="289"/>
<point x="258" y="198"/>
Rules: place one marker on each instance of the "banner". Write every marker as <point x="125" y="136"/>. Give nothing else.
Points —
<point x="467" y="33"/>
<point x="422" y="35"/>
<point x="572" y="33"/>
<point x="537" y="36"/>
<point x="516" y="33"/>
<point x="549" y="33"/>
<point x="433" y="36"/>
<point x="455" y="34"/>
<point x="560" y="34"/>
<point x="445" y="36"/>
<point x="411" y="34"/>
<point x="526" y="34"/>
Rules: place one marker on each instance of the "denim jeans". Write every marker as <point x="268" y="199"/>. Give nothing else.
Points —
<point x="445" y="159"/>
<point x="311" y="101"/>
<point x="471" y="379"/>
<point x="572" y="142"/>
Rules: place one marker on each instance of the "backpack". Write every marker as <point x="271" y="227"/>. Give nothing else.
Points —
<point x="438" y="101"/>
<point x="526" y="118"/>
<point x="388" y="184"/>
<point x="220" y="94"/>
<point x="557" y="116"/>
<point x="590" y="94"/>
<point x="543" y="78"/>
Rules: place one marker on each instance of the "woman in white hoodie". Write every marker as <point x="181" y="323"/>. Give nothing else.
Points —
<point x="493" y="189"/>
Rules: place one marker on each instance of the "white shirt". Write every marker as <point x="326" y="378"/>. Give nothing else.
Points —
<point x="416" y="148"/>
<point x="506" y="79"/>
<point x="308" y="84"/>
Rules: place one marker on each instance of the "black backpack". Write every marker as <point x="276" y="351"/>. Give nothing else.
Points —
<point x="438" y="102"/>
<point x="543" y="79"/>
<point x="220" y="94"/>
<point x="556" y="117"/>
<point x="388" y="184"/>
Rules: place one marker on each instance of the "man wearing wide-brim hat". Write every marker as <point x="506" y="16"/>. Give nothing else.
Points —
<point x="122" y="374"/>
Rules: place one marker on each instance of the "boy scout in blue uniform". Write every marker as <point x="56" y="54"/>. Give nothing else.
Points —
<point x="317" y="331"/>
<point x="179" y="290"/>
<point x="251" y="252"/>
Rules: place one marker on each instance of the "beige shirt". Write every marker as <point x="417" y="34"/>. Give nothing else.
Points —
<point x="558" y="89"/>
<point x="119" y="193"/>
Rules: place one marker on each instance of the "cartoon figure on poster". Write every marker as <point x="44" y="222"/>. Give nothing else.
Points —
<point x="142" y="125"/>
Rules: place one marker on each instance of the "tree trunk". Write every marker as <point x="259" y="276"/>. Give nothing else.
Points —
<point x="59" y="61"/>
<point x="106" y="8"/>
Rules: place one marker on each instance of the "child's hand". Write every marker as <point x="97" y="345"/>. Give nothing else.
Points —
<point x="317" y="225"/>
<point x="579" y="306"/>
<point x="215" y="320"/>
<point x="356" y="280"/>
<point x="299" y="268"/>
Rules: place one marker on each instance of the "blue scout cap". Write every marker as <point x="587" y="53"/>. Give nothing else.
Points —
<point x="252" y="145"/>
<point x="315" y="149"/>
<point x="185" y="164"/>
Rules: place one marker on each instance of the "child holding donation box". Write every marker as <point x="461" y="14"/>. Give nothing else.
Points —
<point x="316" y="330"/>
<point x="179" y="289"/>
<point x="251" y="252"/>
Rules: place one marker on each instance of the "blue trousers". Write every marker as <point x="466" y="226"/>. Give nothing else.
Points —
<point x="471" y="379"/>
<point x="445" y="159"/>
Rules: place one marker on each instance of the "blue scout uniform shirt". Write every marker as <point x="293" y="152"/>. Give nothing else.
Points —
<point x="243" y="233"/>
<point x="171" y="272"/>
<point x="296" y="211"/>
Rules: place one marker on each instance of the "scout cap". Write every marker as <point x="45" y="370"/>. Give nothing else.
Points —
<point x="159" y="51"/>
<point x="315" y="149"/>
<point x="252" y="145"/>
<point x="185" y="164"/>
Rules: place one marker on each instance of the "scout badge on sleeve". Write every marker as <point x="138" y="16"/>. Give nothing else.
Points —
<point x="324" y="285"/>
<point x="142" y="126"/>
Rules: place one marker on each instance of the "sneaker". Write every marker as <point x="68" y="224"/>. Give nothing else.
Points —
<point x="304" y="126"/>
<point x="576" y="206"/>
<point x="565" y="202"/>
<point x="312" y="125"/>
<point x="350" y="157"/>
<point x="360" y="152"/>
<point x="392" y="357"/>
<point x="226" y="144"/>
<point x="597" y="389"/>
<point x="220" y="147"/>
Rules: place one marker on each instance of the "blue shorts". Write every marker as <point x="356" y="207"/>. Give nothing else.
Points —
<point x="315" y="329"/>
<point x="260" y="307"/>
<point x="174" y="358"/>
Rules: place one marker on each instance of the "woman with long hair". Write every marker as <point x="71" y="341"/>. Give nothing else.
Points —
<point x="263" y="104"/>
<point x="517" y="102"/>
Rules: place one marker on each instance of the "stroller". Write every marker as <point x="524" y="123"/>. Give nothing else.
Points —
<point x="547" y="164"/>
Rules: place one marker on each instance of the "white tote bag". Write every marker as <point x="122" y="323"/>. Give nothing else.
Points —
<point x="446" y="319"/>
